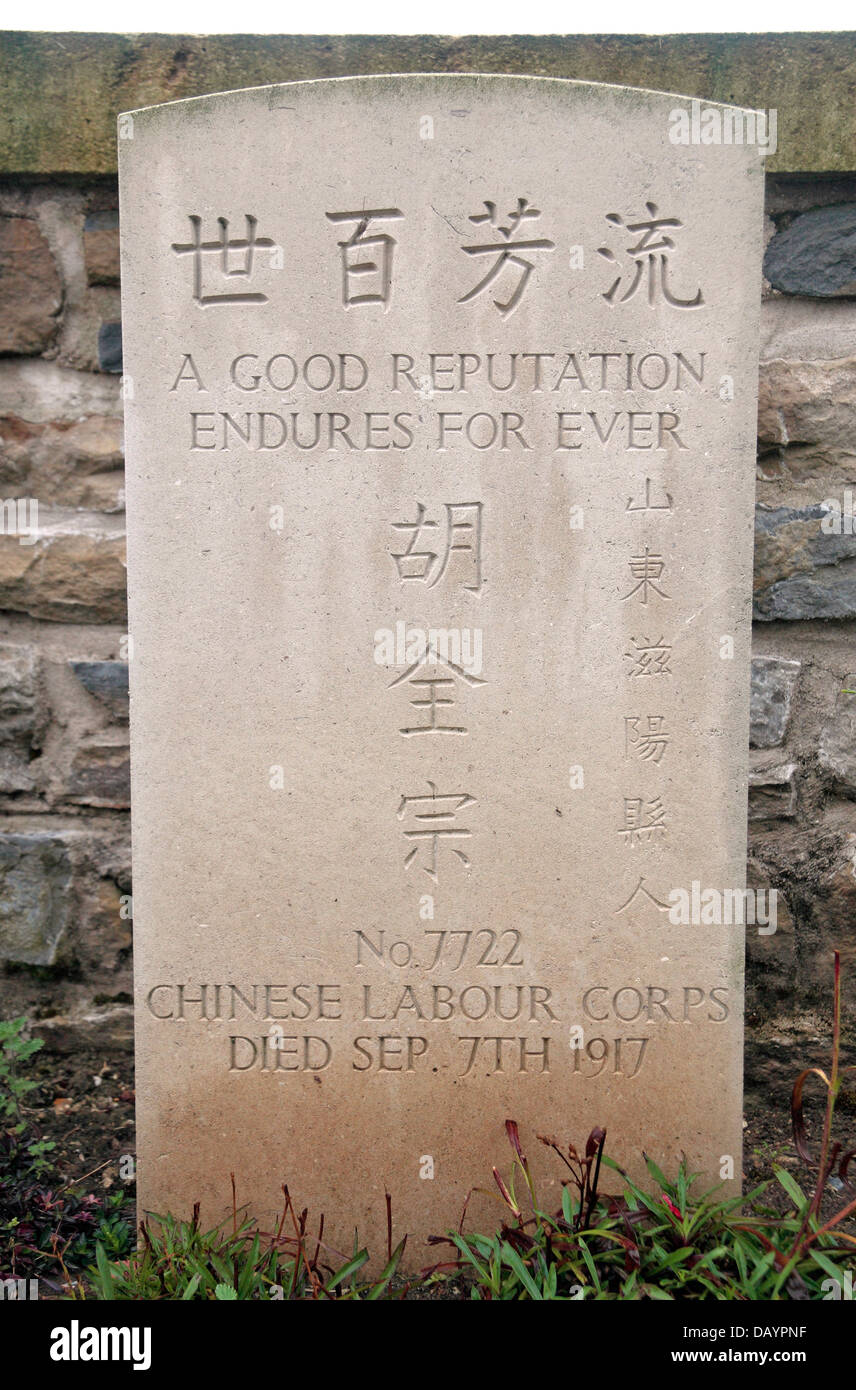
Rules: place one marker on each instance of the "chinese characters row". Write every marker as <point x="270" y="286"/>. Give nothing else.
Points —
<point x="368" y="252"/>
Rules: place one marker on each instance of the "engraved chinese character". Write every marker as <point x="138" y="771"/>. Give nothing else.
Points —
<point x="648" y="505"/>
<point x="650" y="251"/>
<point x="462" y="545"/>
<point x="226" y="249"/>
<point x="649" y="658"/>
<point x="646" y="569"/>
<point x="661" y="907"/>
<point x="357" y="265"/>
<point x="434" y="830"/>
<point x="436" y="693"/>
<point x="507" y="252"/>
<point x="648" y="738"/>
<point x="642" y="820"/>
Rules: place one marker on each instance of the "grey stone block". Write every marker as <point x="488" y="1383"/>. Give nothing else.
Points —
<point x="35" y="878"/>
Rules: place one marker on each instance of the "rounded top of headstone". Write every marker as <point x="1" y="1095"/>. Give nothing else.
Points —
<point x="399" y="84"/>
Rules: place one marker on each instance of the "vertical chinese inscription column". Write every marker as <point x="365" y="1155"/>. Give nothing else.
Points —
<point x="440" y="423"/>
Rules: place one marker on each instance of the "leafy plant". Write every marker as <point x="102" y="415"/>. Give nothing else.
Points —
<point x="672" y="1243"/>
<point x="667" y="1243"/>
<point x="15" y="1048"/>
<point x="180" y="1260"/>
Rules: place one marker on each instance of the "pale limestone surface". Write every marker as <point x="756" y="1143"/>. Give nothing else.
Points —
<point x="277" y="833"/>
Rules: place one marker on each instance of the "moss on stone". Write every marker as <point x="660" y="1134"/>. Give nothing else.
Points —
<point x="62" y="92"/>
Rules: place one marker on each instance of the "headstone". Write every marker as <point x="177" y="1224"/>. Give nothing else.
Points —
<point x="440" y="400"/>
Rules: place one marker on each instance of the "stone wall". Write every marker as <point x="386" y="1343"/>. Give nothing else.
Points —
<point x="65" y="877"/>
<point x="65" y="931"/>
